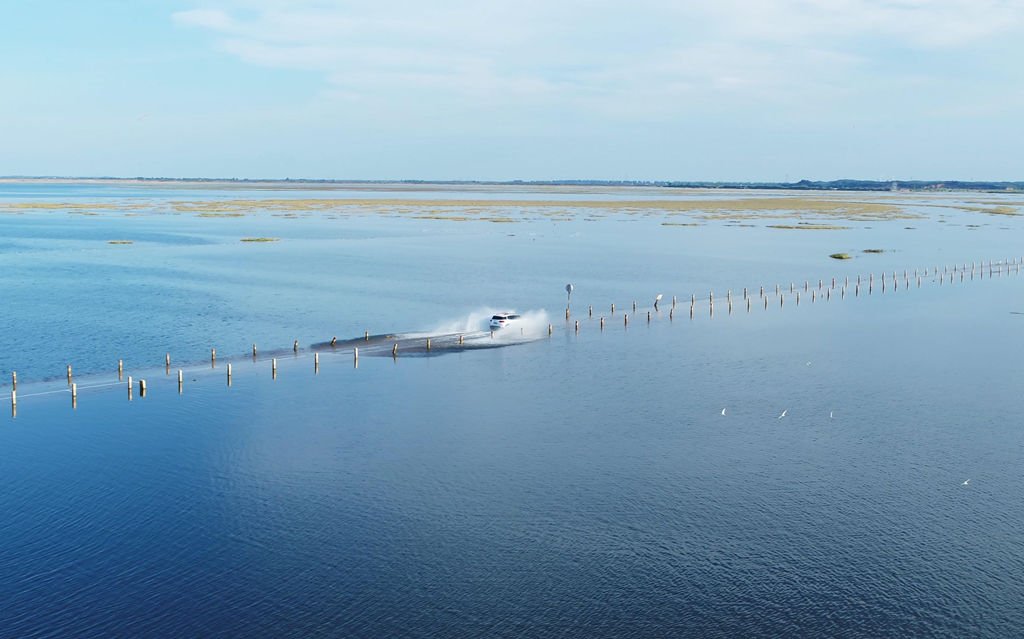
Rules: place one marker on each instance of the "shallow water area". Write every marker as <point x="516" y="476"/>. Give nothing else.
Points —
<point x="795" y="469"/>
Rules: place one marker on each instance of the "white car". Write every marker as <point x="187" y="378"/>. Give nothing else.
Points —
<point x="503" y="320"/>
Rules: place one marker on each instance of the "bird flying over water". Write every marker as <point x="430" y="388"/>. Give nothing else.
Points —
<point x="782" y="415"/>
<point x="967" y="481"/>
<point x="723" y="412"/>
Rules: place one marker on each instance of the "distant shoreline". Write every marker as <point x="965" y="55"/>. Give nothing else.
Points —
<point x="802" y="185"/>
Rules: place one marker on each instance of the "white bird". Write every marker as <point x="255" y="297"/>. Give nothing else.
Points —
<point x="723" y="412"/>
<point x="808" y="363"/>
<point x="830" y="414"/>
<point x="782" y="415"/>
<point x="966" y="482"/>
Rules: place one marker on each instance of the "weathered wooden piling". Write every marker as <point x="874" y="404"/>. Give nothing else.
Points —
<point x="625" y="319"/>
<point x="69" y="373"/>
<point x="590" y="310"/>
<point x="828" y="295"/>
<point x="798" y="298"/>
<point x="167" y="360"/>
<point x="648" y="317"/>
<point x="142" y="388"/>
<point x="766" y="303"/>
<point x="748" y="304"/>
<point x="355" y="353"/>
<point x="460" y="340"/>
<point x="273" y="366"/>
<point x="567" y="313"/>
<point x="577" y="326"/>
<point x="762" y="291"/>
<point x="334" y="341"/>
<point x="814" y="295"/>
<point x="295" y="346"/>
<point x="14" y="397"/>
<point x="74" y="391"/>
<point x="316" y="359"/>
<point x="671" y="312"/>
<point x="602" y="323"/>
<point x="744" y="292"/>
<point x="213" y="355"/>
<point x="428" y="344"/>
<point x="254" y="349"/>
<point x="673" y="301"/>
<point x="613" y="308"/>
<point x="551" y="329"/>
<point x="129" y="387"/>
<point x="229" y="373"/>
<point x="394" y="350"/>
<point x="181" y="380"/>
<point x="691" y="310"/>
<point x="14" y="380"/>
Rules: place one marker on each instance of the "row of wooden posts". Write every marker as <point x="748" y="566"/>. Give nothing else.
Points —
<point x="993" y="268"/>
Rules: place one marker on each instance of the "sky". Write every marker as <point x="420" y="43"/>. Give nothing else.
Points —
<point x="720" y="90"/>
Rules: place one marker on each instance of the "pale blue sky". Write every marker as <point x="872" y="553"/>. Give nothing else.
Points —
<point x="651" y="89"/>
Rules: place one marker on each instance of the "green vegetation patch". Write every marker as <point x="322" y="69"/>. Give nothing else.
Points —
<point x="260" y="239"/>
<point x="120" y="242"/>
<point x="874" y="250"/>
<point x="841" y="256"/>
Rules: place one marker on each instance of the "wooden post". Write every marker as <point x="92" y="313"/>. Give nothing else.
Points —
<point x="254" y="351"/>
<point x="672" y="311"/>
<point x="748" y="304"/>
<point x="181" y="381"/>
<point x="316" y="359"/>
<point x="295" y="346"/>
<point x="460" y="340"/>
<point x="14" y="380"/>
<point x="551" y="329"/>
<point x="229" y="373"/>
<point x="602" y="323"/>
<point x="648" y="317"/>
<point x="142" y="388"/>
<point x="14" y="397"/>
<point x="355" y="354"/>
<point x="129" y="387"/>
<point x="590" y="311"/>
<point x="577" y="326"/>
<point x="567" y="313"/>
<point x="213" y="355"/>
<point x="69" y="373"/>
<point x="366" y="335"/>
<point x="613" y="308"/>
<point x="673" y="301"/>
<point x="798" y="298"/>
<point x="394" y="350"/>
<point x="167" y="359"/>
<point x="273" y="367"/>
<point x="634" y="306"/>
<point x="428" y="341"/>
<point x="74" y="391"/>
<point x="625" y="319"/>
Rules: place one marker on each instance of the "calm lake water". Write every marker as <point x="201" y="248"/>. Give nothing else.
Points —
<point x="584" y="484"/>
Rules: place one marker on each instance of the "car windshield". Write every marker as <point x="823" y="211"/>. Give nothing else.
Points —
<point x="513" y="317"/>
<point x="500" y="317"/>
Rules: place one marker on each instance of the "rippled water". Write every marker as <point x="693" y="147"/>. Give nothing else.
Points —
<point x="584" y="484"/>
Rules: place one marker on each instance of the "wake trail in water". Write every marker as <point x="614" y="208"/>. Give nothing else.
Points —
<point x="470" y="331"/>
